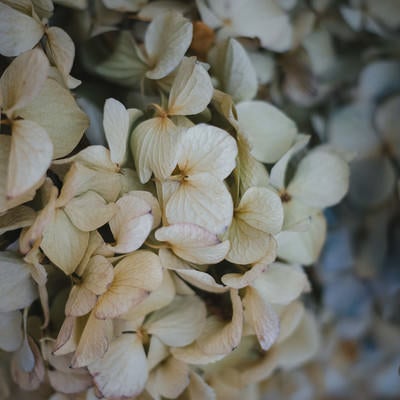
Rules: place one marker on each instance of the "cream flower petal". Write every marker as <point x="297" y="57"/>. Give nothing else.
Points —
<point x="281" y="283"/>
<point x="270" y="132"/>
<point x="201" y="199"/>
<point x="290" y="317"/>
<point x="207" y="149"/>
<point x="262" y="317"/>
<point x="180" y="323"/>
<point x="80" y="301"/>
<point x="193" y="354"/>
<point x="154" y="145"/>
<point x="131" y="224"/>
<point x="198" y="388"/>
<point x="18" y="31"/>
<point x="30" y="156"/>
<point x="167" y="38"/>
<point x="321" y="179"/>
<point x="303" y="247"/>
<point x="193" y="243"/>
<point x="20" y="85"/>
<point x="222" y="339"/>
<point x="191" y="90"/>
<point x="122" y="372"/>
<point x="63" y="243"/>
<point x="116" y="128"/>
<point x="134" y="277"/>
<point x="89" y="211"/>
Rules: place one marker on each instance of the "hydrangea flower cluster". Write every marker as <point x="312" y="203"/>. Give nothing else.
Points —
<point x="155" y="218"/>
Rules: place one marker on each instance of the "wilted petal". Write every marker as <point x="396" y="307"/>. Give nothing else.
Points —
<point x="270" y="132"/>
<point x="63" y="243"/>
<point x="167" y="38"/>
<point x="180" y="323"/>
<point x="122" y="371"/>
<point x="192" y="89"/>
<point x="80" y="301"/>
<point x="262" y="317"/>
<point x="193" y="243"/>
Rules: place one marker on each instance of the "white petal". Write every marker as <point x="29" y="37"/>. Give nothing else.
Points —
<point x="180" y="323"/>
<point x="154" y="145"/>
<point x="18" y="32"/>
<point x="270" y="132"/>
<point x="193" y="243"/>
<point x="281" y="284"/>
<point x="63" y="243"/>
<point x="204" y="200"/>
<point x="122" y="372"/>
<point x="321" y="179"/>
<point x="191" y="90"/>
<point x="303" y="247"/>
<point x="16" y="286"/>
<point x="30" y="156"/>
<point x="116" y="128"/>
<point x="11" y="330"/>
<point x="206" y="148"/>
<point x="167" y="39"/>
<point x="262" y="317"/>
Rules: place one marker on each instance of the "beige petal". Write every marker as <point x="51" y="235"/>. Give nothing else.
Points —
<point x="222" y="339"/>
<point x="116" y="128"/>
<point x="321" y="179"/>
<point x="89" y="211"/>
<point x="57" y="112"/>
<point x="270" y="132"/>
<point x="207" y="149"/>
<point x="98" y="275"/>
<point x="63" y="243"/>
<point x="198" y="388"/>
<point x="18" y="32"/>
<point x="303" y="247"/>
<point x="167" y="38"/>
<point x="180" y="323"/>
<point x="157" y="352"/>
<point x="94" y="341"/>
<point x="16" y="286"/>
<point x="201" y="199"/>
<point x="155" y="206"/>
<point x="134" y="277"/>
<point x="122" y="372"/>
<point x="154" y="145"/>
<point x="192" y="89"/>
<point x="193" y="243"/>
<point x="281" y="283"/>
<point x="80" y="301"/>
<point x="193" y="354"/>
<point x="69" y="383"/>
<point x="30" y="156"/>
<point x="169" y="379"/>
<point x="19" y="85"/>
<point x="262" y="317"/>
<point x="61" y="50"/>
<point x="290" y="318"/>
<point x="131" y="224"/>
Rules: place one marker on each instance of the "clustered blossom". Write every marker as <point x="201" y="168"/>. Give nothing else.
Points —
<point x="153" y="241"/>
